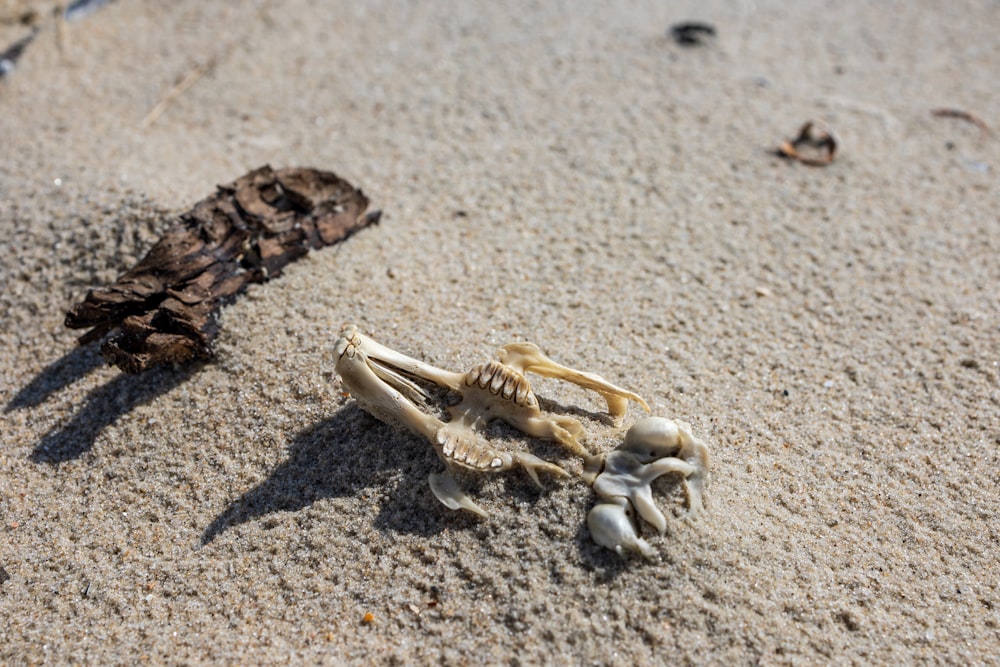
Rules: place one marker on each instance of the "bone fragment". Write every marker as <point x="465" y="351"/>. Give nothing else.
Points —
<point x="528" y="358"/>
<point x="623" y="480"/>
<point x="446" y="489"/>
<point x="611" y="527"/>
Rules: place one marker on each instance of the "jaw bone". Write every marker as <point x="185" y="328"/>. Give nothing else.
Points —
<point x="384" y="383"/>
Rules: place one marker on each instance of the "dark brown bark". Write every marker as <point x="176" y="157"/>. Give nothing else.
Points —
<point x="166" y="306"/>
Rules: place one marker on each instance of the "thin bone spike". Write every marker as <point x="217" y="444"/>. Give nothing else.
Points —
<point x="562" y="429"/>
<point x="529" y="358"/>
<point x="509" y="386"/>
<point x="446" y="489"/>
<point x="532" y="464"/>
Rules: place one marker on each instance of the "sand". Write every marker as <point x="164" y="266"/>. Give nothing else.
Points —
<point x="566" y="175"/>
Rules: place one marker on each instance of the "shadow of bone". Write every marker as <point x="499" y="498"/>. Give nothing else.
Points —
<point x="341" y="457"/>
<point x="104" y="406"/>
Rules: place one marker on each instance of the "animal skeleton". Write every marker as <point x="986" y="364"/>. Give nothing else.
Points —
<point x="379" y="378"/>
<point x="385" y="383"/>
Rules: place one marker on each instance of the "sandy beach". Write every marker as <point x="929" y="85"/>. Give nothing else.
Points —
<point x="562" y="173"/>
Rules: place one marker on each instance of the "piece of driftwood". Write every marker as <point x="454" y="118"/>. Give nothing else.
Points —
<point x="166" y="306"/>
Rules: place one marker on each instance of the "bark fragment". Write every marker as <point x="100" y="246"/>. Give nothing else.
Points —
<point x="166" y="307"/>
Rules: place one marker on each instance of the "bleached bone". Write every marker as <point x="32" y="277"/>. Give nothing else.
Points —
<point x="384" y="383"/>
<point x="611" y="527"/>
<point x="528" y="358"/>
<point x="623" y="479"/>
<point x="660" y="439"/>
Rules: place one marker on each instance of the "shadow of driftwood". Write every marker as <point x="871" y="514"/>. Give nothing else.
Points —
<point x="103" y="407"/>
<point x="338" y="458"/>
<point x="61" y="373"/>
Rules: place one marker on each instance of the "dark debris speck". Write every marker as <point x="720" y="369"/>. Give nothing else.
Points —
<point x="692" y="33"/>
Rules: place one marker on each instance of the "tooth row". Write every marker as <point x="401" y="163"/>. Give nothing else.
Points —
<point x="468" y="453"/>
<point x="501" y="380"/>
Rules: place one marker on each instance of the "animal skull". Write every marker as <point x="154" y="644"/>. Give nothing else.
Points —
<point x="385" y="383"/>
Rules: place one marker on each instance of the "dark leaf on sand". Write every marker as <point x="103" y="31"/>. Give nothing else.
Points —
<point x="165" y="307"/>
<point x="814" y="146"/>
<point x="692" y="33"/>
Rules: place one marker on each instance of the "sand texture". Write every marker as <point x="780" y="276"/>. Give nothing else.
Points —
<point x="563" y="173"/>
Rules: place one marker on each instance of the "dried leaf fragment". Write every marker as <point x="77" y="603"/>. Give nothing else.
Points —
<point x="166" y="306"/>
<point x="814" y="146"/>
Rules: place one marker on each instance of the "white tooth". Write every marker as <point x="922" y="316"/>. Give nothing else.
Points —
<point x="497" y="383"/>
<point x="485" y="375"/>
<point x="509" y="386"/>
<point x="461" y="451"/>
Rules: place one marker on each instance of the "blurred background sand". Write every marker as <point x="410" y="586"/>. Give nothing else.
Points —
<point x="557" y="172"/>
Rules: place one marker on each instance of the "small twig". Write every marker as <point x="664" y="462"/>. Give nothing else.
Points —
<point x="10" y="55"/>
<point x="962" y="115"/>
<point x="176" y="91"/>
